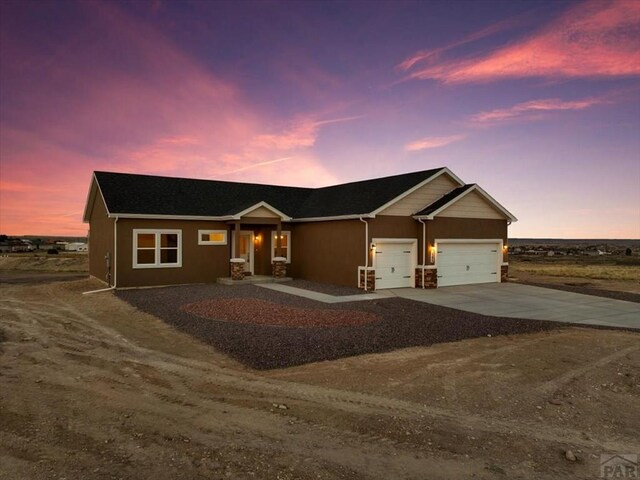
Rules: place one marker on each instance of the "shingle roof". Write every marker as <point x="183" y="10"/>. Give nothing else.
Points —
<point x="126" y="193"/>
<point x="442" y="201"/>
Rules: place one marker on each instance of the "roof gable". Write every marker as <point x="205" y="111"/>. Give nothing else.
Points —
<point x="423" y="194"/>
<point x="466" y="201"/>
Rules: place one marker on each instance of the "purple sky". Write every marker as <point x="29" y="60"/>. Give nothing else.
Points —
<point x="537" y="102"/>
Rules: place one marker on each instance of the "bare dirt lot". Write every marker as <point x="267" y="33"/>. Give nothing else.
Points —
<point x="90" y="388"/>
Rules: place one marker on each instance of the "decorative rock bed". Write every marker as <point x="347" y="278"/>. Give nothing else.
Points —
<point x="262" y="312"/>
<point x="310" y="331"/>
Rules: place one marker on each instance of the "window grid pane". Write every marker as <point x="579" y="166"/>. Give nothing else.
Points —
<point x="146" y="240"/>
<point x="146" y="256"/>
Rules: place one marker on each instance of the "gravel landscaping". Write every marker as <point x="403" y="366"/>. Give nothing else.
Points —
<point x="395" y="323"/>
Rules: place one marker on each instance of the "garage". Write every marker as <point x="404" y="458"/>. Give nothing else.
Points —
<point x="394" y="262"/>
<point x="468" y="261"/>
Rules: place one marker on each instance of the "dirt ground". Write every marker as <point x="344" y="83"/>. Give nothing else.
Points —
<point x="92" y="388"/>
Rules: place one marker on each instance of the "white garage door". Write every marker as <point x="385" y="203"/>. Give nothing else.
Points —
<point x="466" y="263"/>
<point x="394" y="264"/>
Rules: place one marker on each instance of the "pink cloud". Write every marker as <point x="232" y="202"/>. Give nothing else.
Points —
<point x="596" y="39"/>
<point x="534" y="107"/>
<point x="86" y="115"/>
<point x="433" y="54"/>
<point x="432" y="142"/>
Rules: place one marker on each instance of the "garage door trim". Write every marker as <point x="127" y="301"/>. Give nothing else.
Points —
<point x="497" y="241"/>
<point x="414" y="255"/>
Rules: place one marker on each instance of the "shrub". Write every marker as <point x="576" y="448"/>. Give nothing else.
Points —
<point x="52" y="251"/>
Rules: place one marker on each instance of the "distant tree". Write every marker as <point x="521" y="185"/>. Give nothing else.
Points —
<point x="37" y="242"/>
<point x="4" y="238"/>
<point x="627" y="252"/>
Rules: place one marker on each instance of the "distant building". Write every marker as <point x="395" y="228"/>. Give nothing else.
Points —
<point x="76" y="247"/>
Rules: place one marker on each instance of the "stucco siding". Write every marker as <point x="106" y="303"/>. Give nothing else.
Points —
<point x="261" y="212"/>
<point x="471" y="205"/>
<point x="328" y="252"/>
<point x="200" y="263"/>
<point x="422" y="197"/>
<point x="100" y="239"/>
<point x="471" y="228"/>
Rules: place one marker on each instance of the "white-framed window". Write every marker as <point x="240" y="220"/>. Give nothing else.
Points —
<point x="154" y="248"/>
<point x="212" y="237"/>
<point x="285" y="244"/>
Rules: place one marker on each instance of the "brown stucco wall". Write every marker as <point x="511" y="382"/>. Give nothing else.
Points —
<point x="332" y="251"/>
<point x="321" y="251"/>
<point x="200" y="263"/>
<point x="327" y="252"/>
<point x="100" y="239"/>
<point x="446" y="227"/>
<point x="387" y="226"/>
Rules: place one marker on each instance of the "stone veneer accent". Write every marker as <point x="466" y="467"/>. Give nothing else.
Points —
<point x="430" y="278"/>
<point x="504" y="273"/>
<point x="279" y="267"/>
<point x="371" y="280"/>
<point x="237" y="268"/>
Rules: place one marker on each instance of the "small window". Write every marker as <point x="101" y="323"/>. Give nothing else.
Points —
<point x="285" y="243"/>
<point x="212" y="237"/>
<point x="157" y="248"/>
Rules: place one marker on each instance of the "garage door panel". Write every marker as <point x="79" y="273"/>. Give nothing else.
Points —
<point x="467" y="263"/>
<point x="394" y="265"/>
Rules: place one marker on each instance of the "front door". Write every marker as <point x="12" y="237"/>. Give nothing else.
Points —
<point x="246" y="250"/>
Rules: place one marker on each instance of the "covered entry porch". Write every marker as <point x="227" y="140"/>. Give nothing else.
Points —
<point x="260" y="245"/>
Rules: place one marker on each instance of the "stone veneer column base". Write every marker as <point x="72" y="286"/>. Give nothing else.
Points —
<point x="237" y="268"/>
<point x="430" y="278"/>
<point x="371" y="279"/>
<point x="279" y="267"/>
<point x="504" y="273"/>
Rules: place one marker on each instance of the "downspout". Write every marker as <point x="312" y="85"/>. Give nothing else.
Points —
<point x="115" y="252"/>
<point x="366" y="252"/>
<point x="424" y="248"/>
<point x="115" y="256"/>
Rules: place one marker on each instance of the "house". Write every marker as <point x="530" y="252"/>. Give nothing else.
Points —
<point x="423" y="229"/>
<point x="76" y="247"/>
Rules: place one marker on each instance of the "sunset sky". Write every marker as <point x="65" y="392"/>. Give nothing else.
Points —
<point x="537" y="102"/>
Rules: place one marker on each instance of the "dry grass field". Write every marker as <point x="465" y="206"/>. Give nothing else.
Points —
<point x="617" y="273"/>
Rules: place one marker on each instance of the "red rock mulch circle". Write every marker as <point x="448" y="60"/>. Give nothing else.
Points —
<point x="261" y="312"/>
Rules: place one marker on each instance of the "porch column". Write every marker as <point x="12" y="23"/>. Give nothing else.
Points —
<point x="279" y="239"/>
<point x="236" y="240"/>
<point x="236" y="263"/>
<point x="279" y="263"/>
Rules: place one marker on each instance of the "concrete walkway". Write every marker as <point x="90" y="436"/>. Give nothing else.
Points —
<point x="526" y="301"/>
<point x="323" y="297"/>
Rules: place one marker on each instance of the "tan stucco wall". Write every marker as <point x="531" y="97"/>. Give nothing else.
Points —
<point x="472" y="205"/>
<point x="100" y="239"/>
<point x="423" y="196"/>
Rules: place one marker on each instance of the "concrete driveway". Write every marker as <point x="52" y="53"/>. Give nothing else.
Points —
<point x="526" y="301"/>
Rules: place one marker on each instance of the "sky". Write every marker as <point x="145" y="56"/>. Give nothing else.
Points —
<point x="537" y="102"/>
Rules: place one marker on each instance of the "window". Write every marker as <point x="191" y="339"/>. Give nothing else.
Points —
<point x="212" y="237"/>
<point x="285" y="242"/>
<point x="157" y="248"/>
